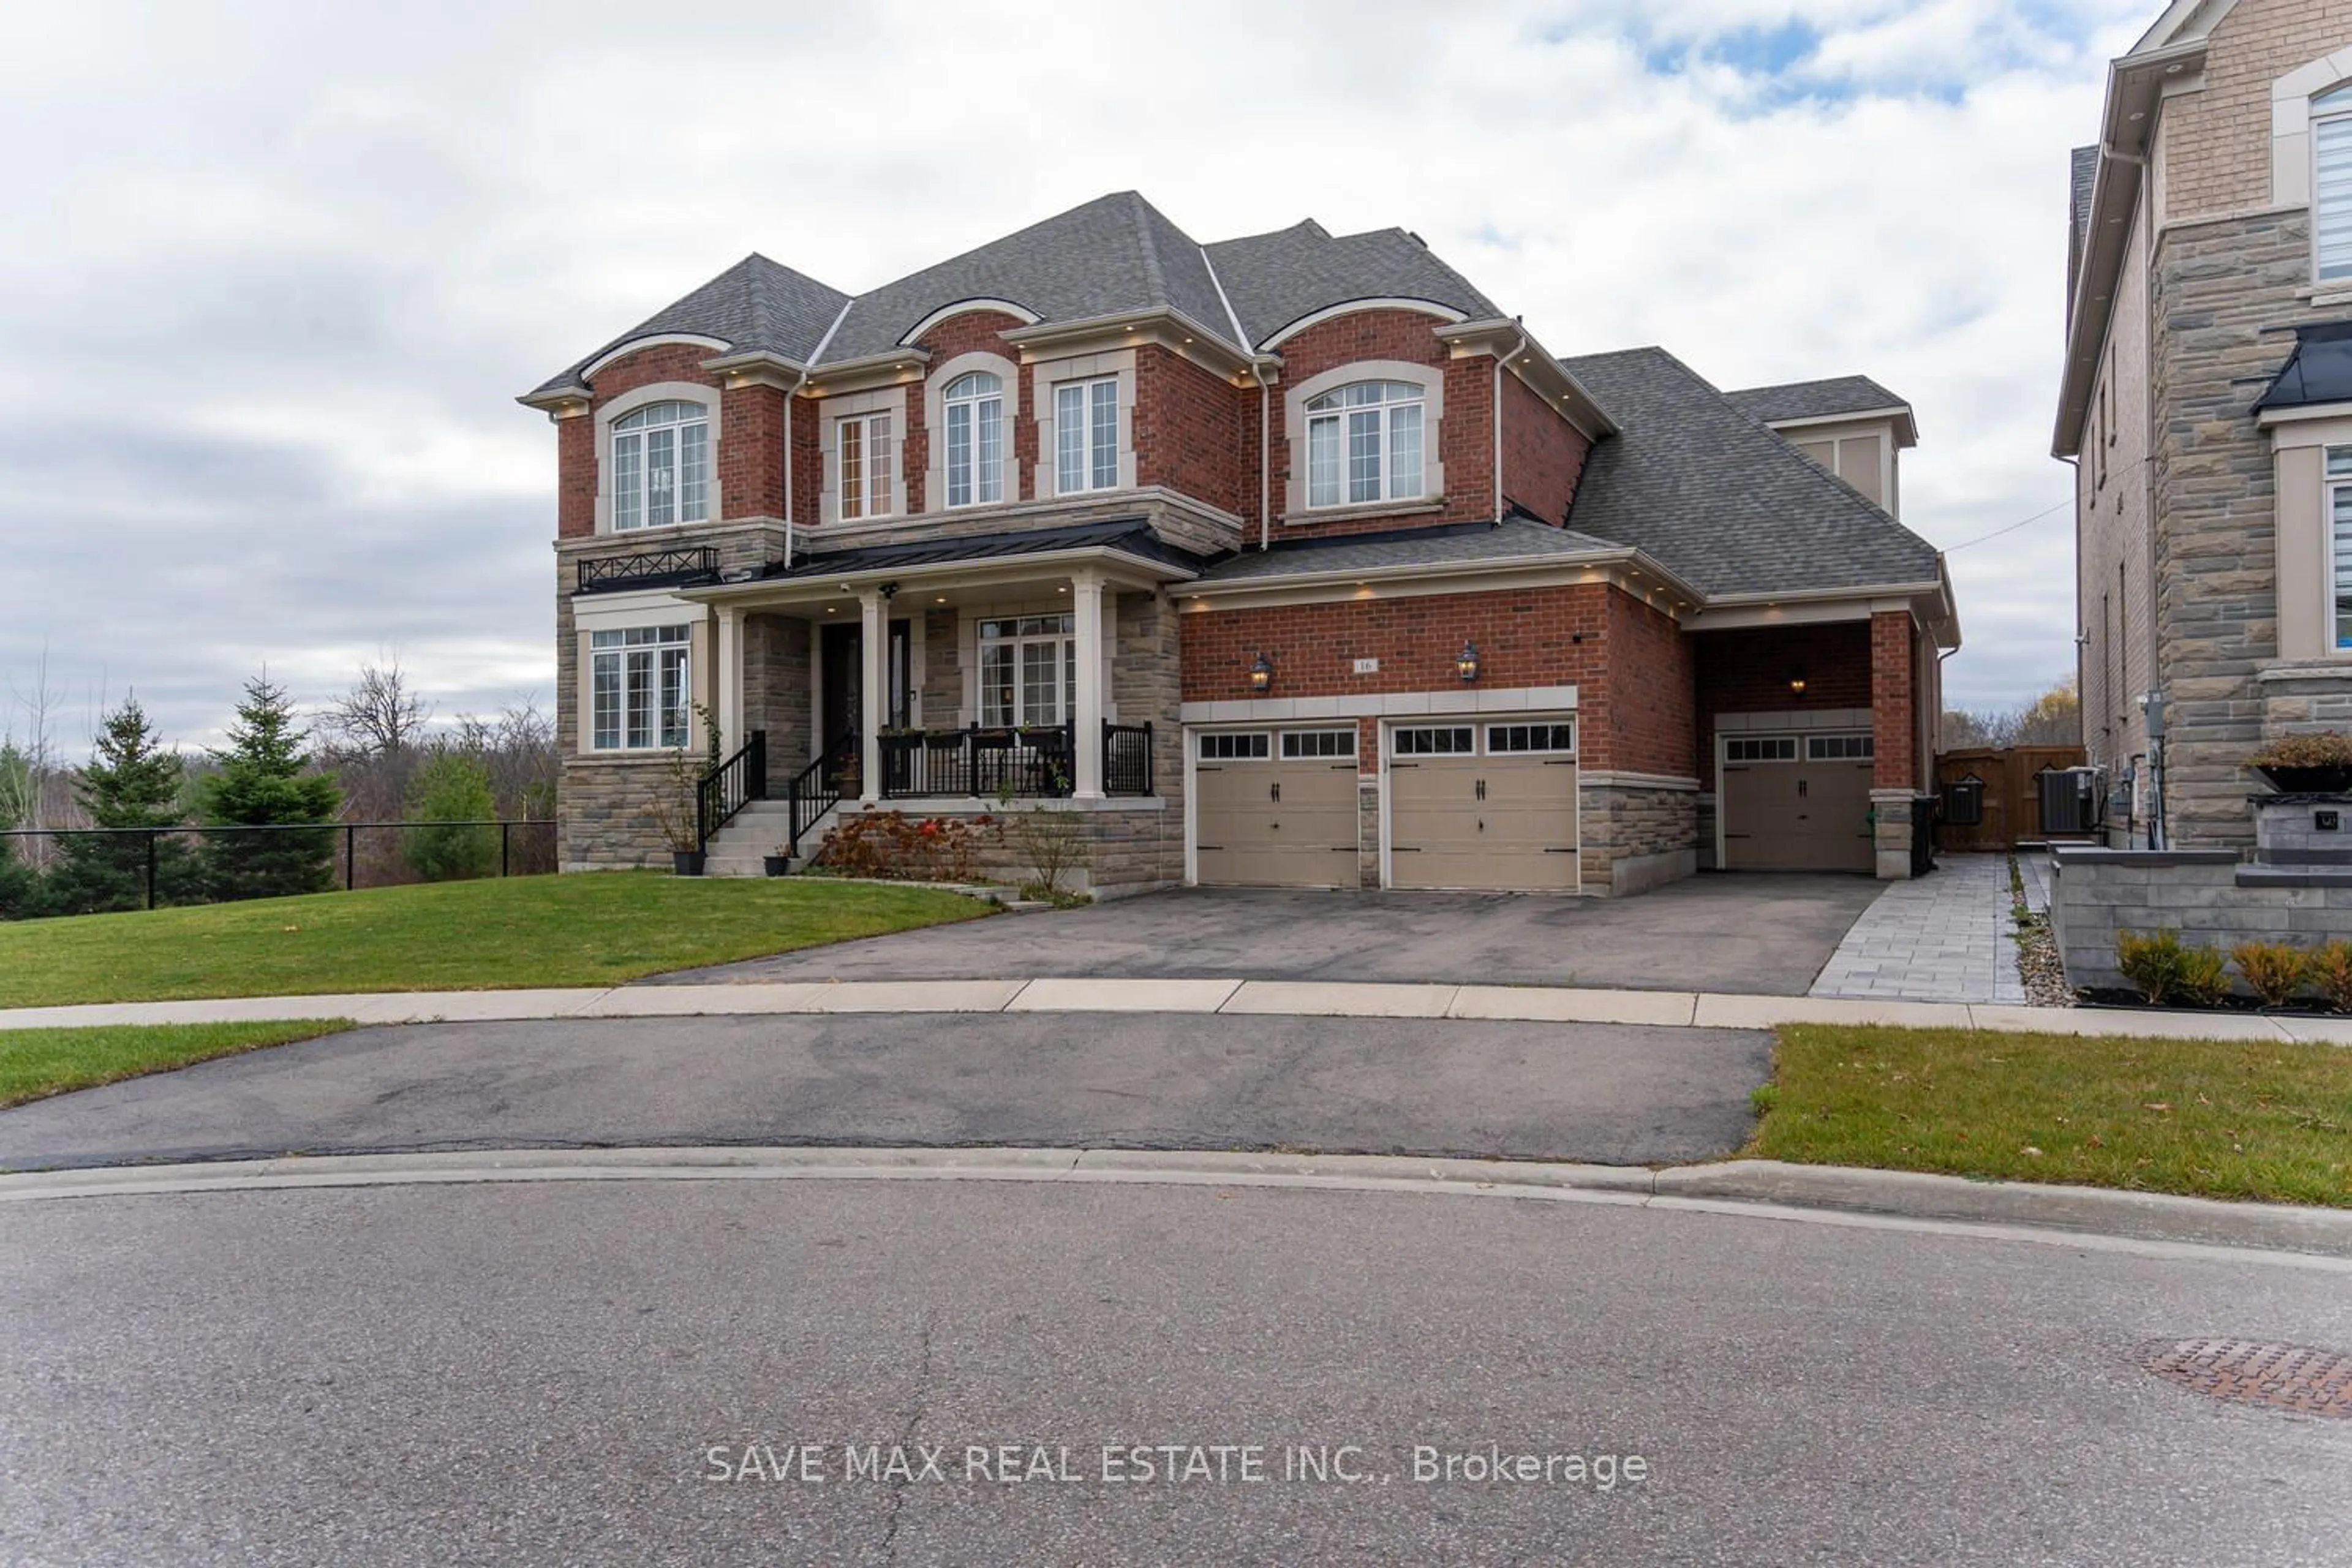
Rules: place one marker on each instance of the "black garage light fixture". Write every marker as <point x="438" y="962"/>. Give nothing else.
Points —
<point x="1466" y="663"/>
<point x="1797" y="684"/>
<point x="1261" y="673"/>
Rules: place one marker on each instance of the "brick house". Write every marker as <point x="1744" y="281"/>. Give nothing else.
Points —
<point x="2207" y="405"/>
<point x="1290" y="559"/>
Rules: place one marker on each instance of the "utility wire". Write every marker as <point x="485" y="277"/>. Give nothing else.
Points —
<point x="2012" y="528"/>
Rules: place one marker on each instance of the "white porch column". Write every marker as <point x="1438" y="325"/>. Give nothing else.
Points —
<point x="729" y="710"/>
<point x="1086" y="701"/>
<point x="873" y="688"/>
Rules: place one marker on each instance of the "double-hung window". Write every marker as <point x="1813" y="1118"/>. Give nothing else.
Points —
<point x="975" y="419"/>
<point x="1028" y="670"/>
<point x="2331" y="184"/>
<point x="2339" y="533"/>
<point x="661" y="466"/>
<point x="1086" y="436"/>
<point x="869" y="459"/>
<point x="1363" y="444"/>
<point x="638" y="687"/>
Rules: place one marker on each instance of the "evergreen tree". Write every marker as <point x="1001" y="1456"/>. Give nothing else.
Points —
<point x="131" y="783"/>
<point x="265" y="779"/>
<point x="20" y="885"/>
<point x="451" y="788"/>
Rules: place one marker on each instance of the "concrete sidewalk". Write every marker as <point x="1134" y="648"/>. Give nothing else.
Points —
<point x="1670" y="1009"/>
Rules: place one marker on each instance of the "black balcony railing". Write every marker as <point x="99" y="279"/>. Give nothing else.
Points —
<point x="1126" y="759"/>
<point x="650" y="569"/>
<point x="1030" y="763"/>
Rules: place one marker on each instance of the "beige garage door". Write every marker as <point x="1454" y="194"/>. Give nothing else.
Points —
<point x="1487" y="805"/>
<point x="1275" y="808"/>
<point x="1797" y="803"/>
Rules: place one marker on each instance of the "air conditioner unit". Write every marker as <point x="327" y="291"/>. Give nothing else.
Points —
<point x="2073" y="800"/>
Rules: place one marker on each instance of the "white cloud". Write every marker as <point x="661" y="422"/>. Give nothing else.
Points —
<point x="255" y="375"/>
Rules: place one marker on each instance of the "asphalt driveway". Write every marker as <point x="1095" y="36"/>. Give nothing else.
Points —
<point x="1605" y="1093"/>
<point x="1753" y="933"/>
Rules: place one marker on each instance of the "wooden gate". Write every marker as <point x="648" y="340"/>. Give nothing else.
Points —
<point x="2012" y="793"/>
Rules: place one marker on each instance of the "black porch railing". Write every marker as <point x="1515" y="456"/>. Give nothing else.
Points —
<point x="651" y="569"/>
<point x="723" y="792"/>
<point x="818" y="788"/>
<point x="1031" y="764"/>
<point x="1126" y="759"/>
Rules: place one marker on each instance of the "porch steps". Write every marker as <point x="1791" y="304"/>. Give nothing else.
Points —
<point x="759" y="830"/>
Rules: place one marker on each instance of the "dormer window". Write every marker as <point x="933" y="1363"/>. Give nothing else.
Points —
<point x="975" y="419"/>
<point x="2331" y="183"/>
<point x="1364" y="445"/>
<point x="661" y="466"/>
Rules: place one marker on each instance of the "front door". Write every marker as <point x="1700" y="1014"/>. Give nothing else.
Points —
<point x="841" y="673"/>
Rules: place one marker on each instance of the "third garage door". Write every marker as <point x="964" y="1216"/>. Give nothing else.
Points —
<point x="1489" y="806"/>
<point x="1275" y="808"/>
<point x="1797" y="803"/>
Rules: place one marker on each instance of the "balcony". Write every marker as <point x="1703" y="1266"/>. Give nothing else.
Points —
<point x="677" y="568"/>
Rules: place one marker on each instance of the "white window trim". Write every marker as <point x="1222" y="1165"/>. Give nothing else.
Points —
<point x="2294" y="148"/>
<point x="698" y="644"/>
<point x="831" y="411"/>
<point x="627" y="403"/>
<point x="2341" y="116"/>
<point x="935" y="426"/>
<point x="1051" y="375"/>
<point x="1430" y="378"/>
<point x="1066" y="673"/>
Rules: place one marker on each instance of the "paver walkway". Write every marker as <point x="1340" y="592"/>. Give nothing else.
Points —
<point x="1946" y="936"/>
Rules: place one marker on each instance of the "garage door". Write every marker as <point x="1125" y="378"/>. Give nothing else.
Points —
<point x="1489" y="806"/>
<point x="1275" y="808"/>
<point x="1797" y="803"/>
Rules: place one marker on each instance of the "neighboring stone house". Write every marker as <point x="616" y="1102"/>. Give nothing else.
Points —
<point x="1290" y="559"/>
<point x="2209" y="286"/>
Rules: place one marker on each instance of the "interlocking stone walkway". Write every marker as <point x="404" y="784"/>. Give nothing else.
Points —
<point x="1944" y="938"/>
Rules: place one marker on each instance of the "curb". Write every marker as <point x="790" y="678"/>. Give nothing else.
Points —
<point x="1765" y="1188"/>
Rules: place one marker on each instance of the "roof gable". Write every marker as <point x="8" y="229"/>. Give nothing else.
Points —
<point x="1827" y="399"/>
<point x="755" y="306"/>
<point x="1274" y="279"/>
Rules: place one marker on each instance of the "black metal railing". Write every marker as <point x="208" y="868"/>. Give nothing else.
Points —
<point x="818" y="788"/>
<point x="651" y="569"/>
<point x="723" y="792"/>
<point x="1032" y="763"/>
<point x="1126" y="759"/>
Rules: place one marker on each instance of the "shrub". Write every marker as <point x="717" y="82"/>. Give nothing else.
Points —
<point x="2330" y="970"/>
<point x="2321" y="749"/>
<point x="2204" y="977"/>
<point x="451" y="788"/>
<point x="894" y="845"/>
<point x="2161" y="969"/>
<point x="2273" y="970"/>
<point x="1053" y="843"/>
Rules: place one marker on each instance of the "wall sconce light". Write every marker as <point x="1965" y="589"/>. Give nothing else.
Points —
<point x="1797" y="684"/>
<point x="1261" y="674"/>
<point x="1466" y="663"/>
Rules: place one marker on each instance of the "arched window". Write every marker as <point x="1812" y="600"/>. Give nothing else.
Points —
<point x="1363" y="444"/>
<point x="976" y="414"/>
<point x="2331" y="182"/>
<point x="661" y="466"/>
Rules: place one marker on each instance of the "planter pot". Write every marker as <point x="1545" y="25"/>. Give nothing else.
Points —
<point x="686" y="862"/>
<point x="776" y="865"/>
<point x="2333" y="779"/>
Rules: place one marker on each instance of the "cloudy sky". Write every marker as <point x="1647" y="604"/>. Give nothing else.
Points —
<point x="276" y="268"/>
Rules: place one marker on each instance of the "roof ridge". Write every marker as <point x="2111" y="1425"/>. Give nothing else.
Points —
<point x="1155" y="276"/>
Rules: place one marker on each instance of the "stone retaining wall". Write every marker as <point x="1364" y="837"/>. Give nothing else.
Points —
<point x="2211" y="897"/>
<point x="1636" y="837"/>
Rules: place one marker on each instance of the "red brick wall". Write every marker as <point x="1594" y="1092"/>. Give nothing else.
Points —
<point x="575" y="478"/>
<point x="974" y="332"/>
<point x="751" y="452"/>
<point x="575" y="447"/>
<point x="1466" y="436"/>
<point x="1542" y="452"/>
<point x="1651" y="689"/>
<point x="1893" y="719"/>
<point x="808" y="461"/>
<point x="1749" y="672"/>
<point x="1195" y="432"/>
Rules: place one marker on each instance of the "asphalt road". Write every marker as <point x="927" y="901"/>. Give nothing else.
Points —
<point x="529" y="1374"/>
<point x="1752" y="934"/>
<point x="1602" y="1093"/>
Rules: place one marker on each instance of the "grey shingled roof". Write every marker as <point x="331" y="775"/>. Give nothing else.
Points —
<point x="1814" y="399"/>
<point x="1275" y="279"/>
<point x="1114" y="254"/>
<point x="755" y="305"/>
<point x="1516" y="538"/>
<point x="1718" y="498"/>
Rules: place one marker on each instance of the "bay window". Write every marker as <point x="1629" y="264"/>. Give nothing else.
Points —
<point x="1364" y="444"/>
<point x="661" y="466"/>
<point x="1028" y="670"/>
<point x="868" y="456"/>
<point x="639" y="688"/>
<point x="1086" y="436"/>
<point x="975" y="439"/>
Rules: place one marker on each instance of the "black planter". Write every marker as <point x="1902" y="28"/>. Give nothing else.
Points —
<point x="686" y="862"/>
<point x="2332" y="779"/>
<point x="776" y="865"/>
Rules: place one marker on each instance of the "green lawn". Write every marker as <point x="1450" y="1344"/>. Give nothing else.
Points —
<point x="585" y="929"/>
<point x="2213" y="1119"/>
<point x="37" y="1063"/>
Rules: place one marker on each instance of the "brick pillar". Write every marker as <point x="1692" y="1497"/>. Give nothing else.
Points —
<point x="1894" y="728"/>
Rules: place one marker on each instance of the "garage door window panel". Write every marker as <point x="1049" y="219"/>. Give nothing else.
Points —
<point x="1435" y="741"/>
<point x="1507" y="740"/>
<point x="1303" y="744"/>
<point x="1236" y="748"/>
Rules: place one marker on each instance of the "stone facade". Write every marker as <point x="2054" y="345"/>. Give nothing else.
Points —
<point x="1636" y="837"/>
<point x="2209" y="896"/>
<point x="1132" y="846"/>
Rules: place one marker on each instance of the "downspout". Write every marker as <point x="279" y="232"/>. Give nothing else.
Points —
<point x="1499" y="360"/>
<point x="789" y="398"/>
<point x="1265" y="458"/>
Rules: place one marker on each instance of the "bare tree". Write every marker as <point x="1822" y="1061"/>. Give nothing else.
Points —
<point x="380" y="716"/>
